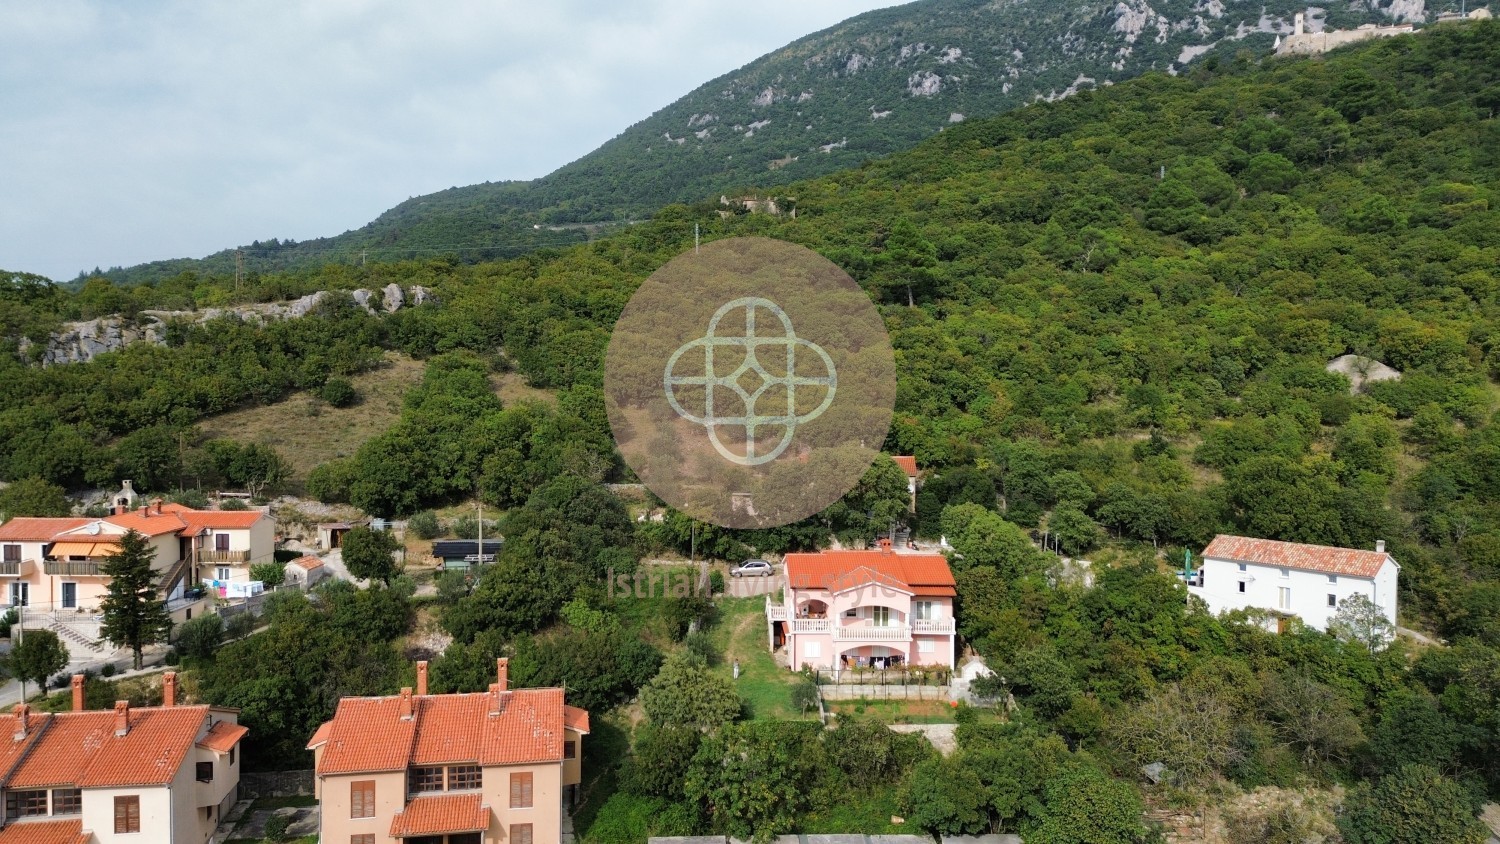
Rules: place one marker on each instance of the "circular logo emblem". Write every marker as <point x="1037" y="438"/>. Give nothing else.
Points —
<point x="749" y="383"/>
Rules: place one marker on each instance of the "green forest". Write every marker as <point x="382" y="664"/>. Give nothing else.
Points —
<point x="1112" y="316"/>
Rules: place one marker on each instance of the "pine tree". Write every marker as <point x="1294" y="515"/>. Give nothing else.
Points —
<point x="134" y="613"/>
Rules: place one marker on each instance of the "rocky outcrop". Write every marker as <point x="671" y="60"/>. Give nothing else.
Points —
<point x="78" y="342"/>
<point x="1362" y="371"/>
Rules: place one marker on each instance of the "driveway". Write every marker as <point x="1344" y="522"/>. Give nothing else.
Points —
<point x="749" y="587"/>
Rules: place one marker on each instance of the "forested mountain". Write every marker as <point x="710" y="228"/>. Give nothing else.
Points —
<point x="877" y="83"/>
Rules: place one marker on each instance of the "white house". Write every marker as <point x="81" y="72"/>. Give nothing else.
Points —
<point x="1293" y="579"/>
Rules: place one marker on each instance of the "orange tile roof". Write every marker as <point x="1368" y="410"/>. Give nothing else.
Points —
<point x="81" y="748"/>
<point x="864" y="576"/>
<point x="1295" y="555"/>
<point x="368" y="734"/>
<point x="917" y="572"/>
<point x="444" y="814"/>
<point x="37" y="529"/>
<point x="576" y="719"/>
<point x="907" y="463"/>
<point x="154" y="524"/>
<point x="224" y="519"/>
<point x="320" y="736"/>
<point x="222" y="736"/>
<point x="308" y="563"/>
<point x="45" y="832"/>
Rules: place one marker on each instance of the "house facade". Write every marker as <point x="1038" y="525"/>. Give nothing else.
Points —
<point x="1293" y="579"/>
<point x="162" y="773"/>
<point x="53" y="564"/>
<point x="908" y="464"/>
<point x="481" y="768"/>
<point x="860" y="609"/>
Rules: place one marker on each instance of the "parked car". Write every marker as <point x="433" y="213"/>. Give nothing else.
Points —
<point x="753" y="568"/>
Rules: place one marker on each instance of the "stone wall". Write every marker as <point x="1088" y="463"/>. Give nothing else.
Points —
<point x="276" y="784"/>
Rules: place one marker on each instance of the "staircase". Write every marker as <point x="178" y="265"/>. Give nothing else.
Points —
<point x="76" y="640"/>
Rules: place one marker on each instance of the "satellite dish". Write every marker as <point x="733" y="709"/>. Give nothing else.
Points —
<point x="93" y="529"/>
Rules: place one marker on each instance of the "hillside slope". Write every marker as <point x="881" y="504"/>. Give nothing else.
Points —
<point x="874" y="84"/>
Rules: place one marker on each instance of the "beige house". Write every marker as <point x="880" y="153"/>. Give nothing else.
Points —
<point x="480" y="768"/>
<point x="53" y="564"/>
<point x="134" y="774"/>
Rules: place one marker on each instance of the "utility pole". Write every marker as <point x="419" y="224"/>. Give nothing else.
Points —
<point x="362" y="254"/>
<point x="239" y="269"/>
<point x="695" y="238"/>
<point x="479" y="554"/>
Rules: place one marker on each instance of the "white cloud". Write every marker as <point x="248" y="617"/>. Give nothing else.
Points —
<point x="132" y="132"/>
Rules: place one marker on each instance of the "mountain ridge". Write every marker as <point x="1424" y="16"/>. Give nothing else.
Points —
<point x="861" y="89"/>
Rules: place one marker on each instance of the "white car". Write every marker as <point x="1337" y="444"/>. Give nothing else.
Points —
<point x="753" y="568"/>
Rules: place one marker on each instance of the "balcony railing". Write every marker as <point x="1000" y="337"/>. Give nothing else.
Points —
<point x="872" y="633"/>
<point x="923" y="625"/>
<point x="774" y="611"/>
<point x="71" y="568"/>
<point x="15" y="568"/>
<point x="809" y="625"/>
<point x="207" y="555"/>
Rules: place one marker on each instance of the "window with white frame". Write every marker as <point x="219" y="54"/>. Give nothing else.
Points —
<point x="1286" y="573"/>
<point x="1333" y="600"/>
<point x="813" y="650"/>
<point x="221" y="573"/>
<point x="1333" y="578"/>
<point x="926" y="646"/>
<point x="1243" y="567"/>
<point x="880" y="616"/>
<point x="1284" y="598"/>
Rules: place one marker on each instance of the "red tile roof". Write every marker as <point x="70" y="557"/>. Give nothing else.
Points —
<point x="369" y="734"/>
<point x="37" y="529"/>
<point x="321" y="735"/>
<point x="153" y="524"/>
<point x="81" y="748"/>
<point x="222" y="736"/>
<point x="576" y="719"/>
<point x="864" y="576"/>
<point x="44" y="832"/>
<point x="222" y="519"/>
<point x="1295" y="555"/>
<point x="444" y="814"/>
<point x="308" y="563"/>
<point x="920" y="573"/>
<point x="907" y="463"/>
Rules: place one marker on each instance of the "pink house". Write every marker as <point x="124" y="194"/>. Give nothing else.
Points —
<point x="881" y="608"/>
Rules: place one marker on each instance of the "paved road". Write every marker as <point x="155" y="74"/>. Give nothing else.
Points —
<point x="749" y="587"/>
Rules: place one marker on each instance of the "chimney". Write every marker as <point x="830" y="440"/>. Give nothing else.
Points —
<point x="884" y="545"/>
<point x="422" y="678"/>
<point x="1380" y="546"/>
<point x="77" y="692"/>
<point x="495" y="696"/>
<point x="122" y="717"/>
<point x="169" y="689"/>
<point x="22" y="711"/>
<point x="406" y="713"/>
<point x="502" y="670"/>
<point x="156" y="506"/>
<point x="145" y="511"/>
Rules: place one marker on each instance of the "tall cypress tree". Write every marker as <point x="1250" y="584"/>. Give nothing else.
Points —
<point x="134" y="613"/>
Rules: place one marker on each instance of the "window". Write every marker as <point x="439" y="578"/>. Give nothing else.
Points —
<point x="1333" y="600"/>
<point x="570" y="749"/>
<point x="924" y="610"/>
<point x="1242" y="586"/>
<point x="205" y="772"/>
<point x="1333" y="578"/>
<point x="852" y="612"/>
<point x="67" y="801"/>
<point x="1242" y="567"/>
<point x="12" y="553"/>
<point x="231" y="756"/>
<point x="221" y="573"/>
<point x="419" y="780"/>
<point x="366" y="838"/>
<point x="462" y="777"/>
<point x="880" y="616"/>
<point x="813" y="650"/>
<point x="520" y="791"/>
<point x="520" y="833"/>
<point x="1286" y="572"/>
<point x="926" y="646"/>
<point x="23" y="804"/>
<point x="362" y="799"/>
<point x="127" y="814"/>
<point x="221" y="542"/>
<point x="208" y="813"/>
<point x="1284" y="597"/>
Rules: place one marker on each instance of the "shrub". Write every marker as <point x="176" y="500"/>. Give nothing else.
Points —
<point x="108" y="670"/>
<point x="171" y="657"/>
<point x="234" y="504"/>
<point x="339" y="392"/>
<point x="699" y="644"/>
<point x="716" y="582"/>
<point x="276" y="827"/>
<point x="271" y="574"/>
<point x="198" y="638"/>
<point x="425" y="525"/>
<point x="239" y="626"/>
<point x="804" y="695"/>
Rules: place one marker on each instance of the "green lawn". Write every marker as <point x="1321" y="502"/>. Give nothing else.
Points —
<point x="741" y="634"/>
<point x="897" y="711"/>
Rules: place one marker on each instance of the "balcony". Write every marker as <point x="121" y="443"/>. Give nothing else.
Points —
<point x="71" y="568"/>
<point x="941" y="625"/>
<point x="16" y="568"/>
<point x="809" y="625"/>
<point x="872" y="633"/>
<point x="208" y="555"/>
<point x="774" y="612"/>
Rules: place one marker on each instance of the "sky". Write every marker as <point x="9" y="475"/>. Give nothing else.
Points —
<point x="139" y="131"/>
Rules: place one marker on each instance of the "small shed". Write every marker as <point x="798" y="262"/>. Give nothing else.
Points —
<point x="306" y="571"/>
<point x="464" y="553"/>
<point x="331" y="534"/>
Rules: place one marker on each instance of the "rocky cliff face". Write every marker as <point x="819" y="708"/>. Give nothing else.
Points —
<point x="77" y="342"/>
